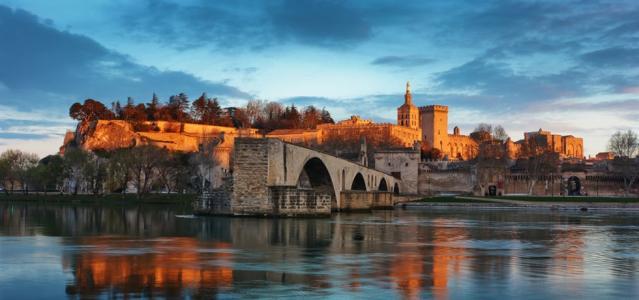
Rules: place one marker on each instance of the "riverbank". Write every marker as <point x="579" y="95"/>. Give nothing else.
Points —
<point x="182" y="199"/>
<point x="528" y="202"/>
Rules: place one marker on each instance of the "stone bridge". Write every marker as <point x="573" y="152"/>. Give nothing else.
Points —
<point x="272" y="177"/>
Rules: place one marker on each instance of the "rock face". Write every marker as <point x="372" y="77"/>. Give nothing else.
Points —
<point x="109" y="135"/>
<point x="106" y="135"/>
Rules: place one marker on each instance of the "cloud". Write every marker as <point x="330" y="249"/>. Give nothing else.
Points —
<point x="499" y="82"/>
<point x="61" y="67"/>
<point x="402" y="61"/>
<point x="328" y="23"/>
<point x="247" y="25"/>
<point x="613" y="57"/>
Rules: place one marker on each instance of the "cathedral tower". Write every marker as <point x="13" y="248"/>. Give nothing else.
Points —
<point x="408" y="113"/>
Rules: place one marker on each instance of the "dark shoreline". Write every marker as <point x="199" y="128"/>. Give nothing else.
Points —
<point x="167" y="199"/>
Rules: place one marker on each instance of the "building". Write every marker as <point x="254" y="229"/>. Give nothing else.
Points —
<point x="567" y="146"/>
<point x="427" y="125"/>
<point x="432" y="122"/>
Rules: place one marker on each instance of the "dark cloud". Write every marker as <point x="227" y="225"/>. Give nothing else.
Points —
<point x="41" y="60"/>
<point x="331" y="23"/>
<point x="402" y="61"/>
<point x="615" y="57"/>
<point x="503" y="85"/>
<point x="247" y="24"/>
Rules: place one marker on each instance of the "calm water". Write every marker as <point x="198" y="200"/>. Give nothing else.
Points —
<point x="57" y="251"/>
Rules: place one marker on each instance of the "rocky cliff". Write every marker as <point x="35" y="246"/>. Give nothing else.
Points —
<point x="108" y="135"/>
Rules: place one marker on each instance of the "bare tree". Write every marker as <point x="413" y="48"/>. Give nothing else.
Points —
<point x="255" y="109"/>
<point x="75" y="161"/>
<point x="625" y="146"/>
<point x="205" y="162"/>
<point x="118" y="171"/>
<point x="142" y="166"/>
<point x="537" y="161"/>
<point x="16" y="168"/>
<point x="168" y="170"/>
<point x="499" y="133"/>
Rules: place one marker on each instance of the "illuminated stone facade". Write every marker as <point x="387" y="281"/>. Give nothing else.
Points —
<point x="354" y="128"/>
<point x="427" y="125"/>
<point x="567" y="146"/>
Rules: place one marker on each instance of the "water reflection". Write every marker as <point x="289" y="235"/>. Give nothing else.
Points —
<point x="155" y="252"/>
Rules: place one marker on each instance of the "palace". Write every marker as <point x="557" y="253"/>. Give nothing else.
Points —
<point x="427" y="125"/>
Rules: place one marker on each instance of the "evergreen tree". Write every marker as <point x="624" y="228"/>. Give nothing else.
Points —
<point x="153" y="108"/>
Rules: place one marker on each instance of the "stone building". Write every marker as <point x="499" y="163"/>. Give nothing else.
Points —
<point x="432" y="123"/>
<point x="402" y="164"/>
<point x="567" y="146"/>
<point x="427" y="125"/>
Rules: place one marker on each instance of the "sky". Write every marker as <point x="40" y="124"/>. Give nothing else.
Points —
<point x="571" y="67"/>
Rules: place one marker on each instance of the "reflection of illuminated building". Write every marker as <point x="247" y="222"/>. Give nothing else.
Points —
<point x="169" y="267"/>
<point x="445" y="257"/>
<point x="407" y="271"/>
<point x="568" y="252"/>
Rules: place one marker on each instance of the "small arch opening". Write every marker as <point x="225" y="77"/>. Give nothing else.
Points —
<point x="382" y="185"/>
<point x="358" y="183"/>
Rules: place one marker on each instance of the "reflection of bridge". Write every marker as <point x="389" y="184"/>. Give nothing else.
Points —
<point x="271" y="177"/>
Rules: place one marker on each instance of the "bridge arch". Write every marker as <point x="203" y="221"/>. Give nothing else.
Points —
<point x="396" y="189"/>
<point x="359" y="184"/>
<point x="382" y="185"/>
<point x="315" y="175"/>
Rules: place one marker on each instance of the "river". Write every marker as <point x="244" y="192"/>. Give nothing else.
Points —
<point x="58" y="251"/>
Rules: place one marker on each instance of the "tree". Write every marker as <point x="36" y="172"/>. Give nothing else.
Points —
<point x="537" y="160"/>
<point x="625" y="146"/>
<point x="292" y="117"/>
<point x="142" y="164"/>
<point x="94" y="173"/>
<point x="482" y="133"/>
<point x="311" y="116"/>
<point x="16" y="168"/>
<point x="430" y="154"/>
<point x="255" y="110"/>
<point x="153" y="109"/>
<point x="168" y="171"/>
<point x="326" y="117"/>
<point x="89" y="111"/>
<point x="499" y="133"/>
<point x="7" y="170"/>
<point x="118" y="170"/>
<point x="50" y="173"/>
<point x="199" y="109"/>
<point x="178" y="107"/>
<point x="4" y="173"/>
<point x="204" y="164"/>
<point x="75" y="160"/>
<point x="239" y="118"/>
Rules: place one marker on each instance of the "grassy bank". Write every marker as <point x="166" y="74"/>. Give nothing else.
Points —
<point x="103" y="199"/>
<point x="582" y="199"/>
<point x="448" y="199"/>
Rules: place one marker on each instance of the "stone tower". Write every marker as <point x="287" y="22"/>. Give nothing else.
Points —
<point x="408" y="113"/>
<point x="434" y="123"/>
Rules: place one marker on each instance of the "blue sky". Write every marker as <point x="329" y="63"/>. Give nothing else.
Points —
<point x="571" y="67"/>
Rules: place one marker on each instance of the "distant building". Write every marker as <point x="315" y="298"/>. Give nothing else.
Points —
<point x="567" y="146"/>
<point x="604" y="156"/>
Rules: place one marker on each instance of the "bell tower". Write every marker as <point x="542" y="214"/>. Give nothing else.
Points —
<point x="408" y="113"/>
